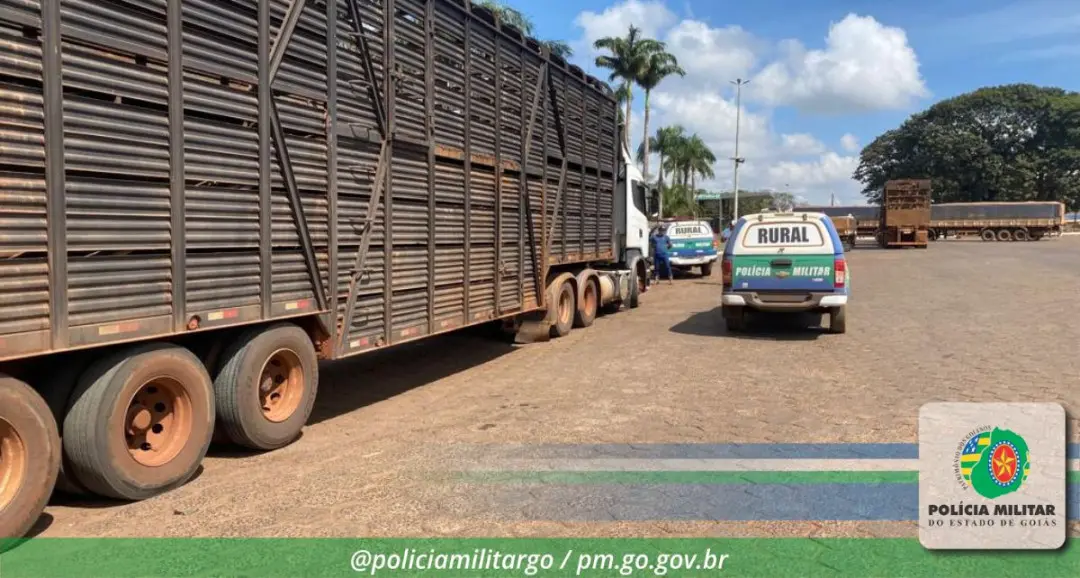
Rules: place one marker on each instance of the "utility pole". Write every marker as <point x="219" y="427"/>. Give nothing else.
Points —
<point x="738" y="82"/>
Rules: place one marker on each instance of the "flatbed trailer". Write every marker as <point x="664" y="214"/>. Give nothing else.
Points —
<point x="199" y="199"/>
<point x="1011" y="221"/>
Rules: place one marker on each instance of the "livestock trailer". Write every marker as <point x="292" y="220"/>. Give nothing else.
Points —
<point x="201" y="198"/>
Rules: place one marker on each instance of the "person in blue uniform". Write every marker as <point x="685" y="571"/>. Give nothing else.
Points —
<point x="661" y="247"/>
<point x="726" y="233"/>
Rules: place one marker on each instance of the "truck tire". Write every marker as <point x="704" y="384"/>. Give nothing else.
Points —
<point x="140" y="422"/>
<point x="734" y="319"/>
<point x="565" y="307"/>
<point x="57" y="391"/>
<point x="636" y="280"/>
<point x="1021" y="235"/>
<point x="267" y="386"/>
<point x="706" y="270"/>
<point x="29" y="458"/>
<point x="1004" y="235"/>
<point x="988" y="235"/>
<point x="590" y="304"/>
<point x="838" y="320"/>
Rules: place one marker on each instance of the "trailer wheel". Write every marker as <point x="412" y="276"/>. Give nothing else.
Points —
<point x="1021" y="235"/>
<point x="590" y="304"/>
<point x="564" y="310"/>
<point x="29" y="458"/>
<point x="1004" y="235"/>
<point x="140" y="422"/>
<point x="932" y="235"/>
<point x="57" y="391"/>
<point x="267" y="386"/>
<point x="988" y="235"/>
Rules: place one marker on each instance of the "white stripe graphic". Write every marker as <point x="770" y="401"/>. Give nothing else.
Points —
<point x="707" y="465"/>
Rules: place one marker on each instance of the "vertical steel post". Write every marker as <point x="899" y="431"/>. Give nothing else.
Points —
<point x="429" y="116"/>
<point x="468" y="161"/>
<point x="55" y="198"/>
<point x="177" y="193"/>
<point x="497" y="38"/>
<point x="390" y="83"/>
<point x="332" y="169"/>
<point x="265" y="166"/>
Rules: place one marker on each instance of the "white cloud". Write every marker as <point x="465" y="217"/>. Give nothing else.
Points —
<point x="864" y="66"/>
<point x="713" y="56"/>
<point x="652" y="17"/>
<point x="802" y="144"/>
<point x="849" y="142"/>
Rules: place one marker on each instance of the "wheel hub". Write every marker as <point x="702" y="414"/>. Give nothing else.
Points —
<point x="281" y="385"/>
<point x="158" y="422"/>
<point x="12" y="463"/>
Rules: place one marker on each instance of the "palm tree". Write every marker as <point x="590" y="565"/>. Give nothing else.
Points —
<point x="514" y="17"/>
<point x="660" y="65"/>
<point x="663" y="143"/>
<point x="701" y="160"/>
<point x="627" y="59"/>
<point x="622" y="96"/>
<point x="689" y="159"/>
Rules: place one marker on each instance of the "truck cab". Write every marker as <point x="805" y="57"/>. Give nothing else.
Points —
<point x="633" y="202"/>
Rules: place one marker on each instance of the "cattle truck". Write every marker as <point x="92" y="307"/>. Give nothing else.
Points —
<point x="867" y="217"/>
<point x="200" y="199"/>
<point x="905" y="214"/>
<point x="1015" y="221"/>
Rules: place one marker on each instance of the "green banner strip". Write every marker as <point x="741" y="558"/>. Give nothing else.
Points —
<point x="774" y="558"/>
<point x="686" y="477"/>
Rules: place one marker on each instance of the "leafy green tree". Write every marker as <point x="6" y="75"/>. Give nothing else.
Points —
<point x="1015" y="142"/>
<point x="627" y="59"/>
<point x="514" y="17"/>
<point x="659" y="66"/>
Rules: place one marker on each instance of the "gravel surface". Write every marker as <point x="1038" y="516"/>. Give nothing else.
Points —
<point x="961" y="321"/>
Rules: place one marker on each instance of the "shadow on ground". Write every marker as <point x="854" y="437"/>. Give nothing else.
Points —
<point x="773" y="327"/>
<point x="350" y="384"/>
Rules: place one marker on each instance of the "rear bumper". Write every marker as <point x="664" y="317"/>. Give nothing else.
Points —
<point x="692" y="261"/>
<point x="784" y="302"/>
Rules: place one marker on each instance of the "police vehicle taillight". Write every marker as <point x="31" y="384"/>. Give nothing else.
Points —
<point x="840" y="268"/>
<point x="725" y="269"/>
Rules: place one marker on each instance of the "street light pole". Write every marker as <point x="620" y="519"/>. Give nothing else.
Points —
<point x="738" y="82"/>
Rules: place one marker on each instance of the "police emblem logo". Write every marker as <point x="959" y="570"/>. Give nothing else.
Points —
<point x="994" y="462"/>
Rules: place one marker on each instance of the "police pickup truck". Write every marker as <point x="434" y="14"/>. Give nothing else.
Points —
<point x="693" y="244"/>
<point x="785" y="263"/>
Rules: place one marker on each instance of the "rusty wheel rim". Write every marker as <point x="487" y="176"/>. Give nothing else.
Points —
<point x="158" y="423"/>
<point x="281" y="385"/>
<point x="590" y="298"/>
<point x="12" y="463"/>
<point x="566" y="304"/>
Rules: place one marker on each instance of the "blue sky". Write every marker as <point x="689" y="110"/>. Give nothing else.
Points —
<point x="822" y="70"/>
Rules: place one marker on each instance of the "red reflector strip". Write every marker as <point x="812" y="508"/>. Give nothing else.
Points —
<point x="223" y="314"/>
<point x="302" y="304"/>
<point x="118" y="328"/>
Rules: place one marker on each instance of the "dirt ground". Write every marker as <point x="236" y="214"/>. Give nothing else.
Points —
<point x="960" y="321"/>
